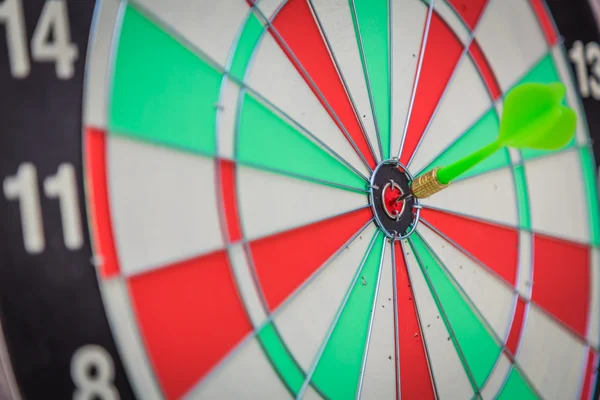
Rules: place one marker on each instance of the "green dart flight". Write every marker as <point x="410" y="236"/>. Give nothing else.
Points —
<point x="533" y="118"/>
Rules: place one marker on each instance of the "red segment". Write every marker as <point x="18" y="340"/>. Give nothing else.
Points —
<point x="99" y="209"/>
<point x="516" y="327"/>
<point x="485" y="70"/>
<point x="493" y="245"/>
<point x="415" y="377"/>
<point x="190" y="317"/>
<point x="298" y="33"/>
<point x="284" y="261"/>
<point x="469" y="10"/>
<point x="545" y="21"/>
<point x="442" y="52"/>
<point x="562" y="280"/>
<point x="229" y="201"/>
<point x="591" y="371"/>
<point x="391" y="203"/>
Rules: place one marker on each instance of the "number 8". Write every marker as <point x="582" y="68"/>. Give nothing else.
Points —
<point x="92" y="386"/>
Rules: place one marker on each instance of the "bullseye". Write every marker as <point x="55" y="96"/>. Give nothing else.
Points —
<point x="391" y="193"/>
<point x="397" y="217"/>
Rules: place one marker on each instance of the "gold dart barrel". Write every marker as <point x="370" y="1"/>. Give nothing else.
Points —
<point x="427" y="184"/>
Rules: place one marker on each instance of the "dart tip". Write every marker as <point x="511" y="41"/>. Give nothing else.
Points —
<point x="404" y="197"/>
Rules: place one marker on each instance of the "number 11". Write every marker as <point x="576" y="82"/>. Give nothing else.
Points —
<point x="62" y="186"/>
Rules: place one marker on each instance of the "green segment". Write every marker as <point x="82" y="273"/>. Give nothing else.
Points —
<point x="371" y="19"/>
<point x="266" y="140"/>
<point x="249" y="37"/>
<point x="162" y="92"/>
<point x="479" y="135"/>
<point x="522" y="197"/>
<point x="516" y="387"/>
<point x="285" y="365"/>
<point x="478" y="346"/>
<point x="544" y="72"/>
<point x="338" y="371"/>
<point x="591" y="186"/>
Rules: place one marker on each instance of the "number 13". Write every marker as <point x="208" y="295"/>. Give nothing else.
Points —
<point x="584" y="56"/>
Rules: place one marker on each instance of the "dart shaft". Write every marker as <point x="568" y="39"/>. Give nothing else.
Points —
<point x="447" y="174"/>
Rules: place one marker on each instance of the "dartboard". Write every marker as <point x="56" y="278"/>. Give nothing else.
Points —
<point x="203" y="200"/>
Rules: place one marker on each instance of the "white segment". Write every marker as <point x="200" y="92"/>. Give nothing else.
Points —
<point x="211" y="26"/>
<point x="271" y="203"/>
<point x="525" y="266"/>
<point x="488" y="293"/>
<point x="226" y="119"/>
<point x="99" y="56"/>
<point x="163" y="202"/>
<point x="593" y="334"/>
<point x="274" y="77"/>
<point x="245" y="374"/>
<point x="446" y="11"/>
<point x="129" y="342"/>
<point x="489" y="196"/>
<point x="499" y="104"/>
<point x="379" y="381"/>
<point x="448" y="372"/>
<point x="338" y="27"/>
<point x="497" y="378"/>
<point x="556" y="182"/>
<point x="551" y="357"/>
<point x="409" y="18"/>
<point x="320" y="300"/>
<point x="311" y="394"/>
<point x="245" y="284"/>
<point x="510" y="52"/>
<point x="268" y="7"/>
<point x="573" y="98"/>
<point x="456" y="113"/>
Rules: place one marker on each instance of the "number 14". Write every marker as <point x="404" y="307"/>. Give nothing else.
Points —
<point x="54" y="19"/>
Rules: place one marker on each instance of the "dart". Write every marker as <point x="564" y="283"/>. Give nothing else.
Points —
<point x="533" y="118"/>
